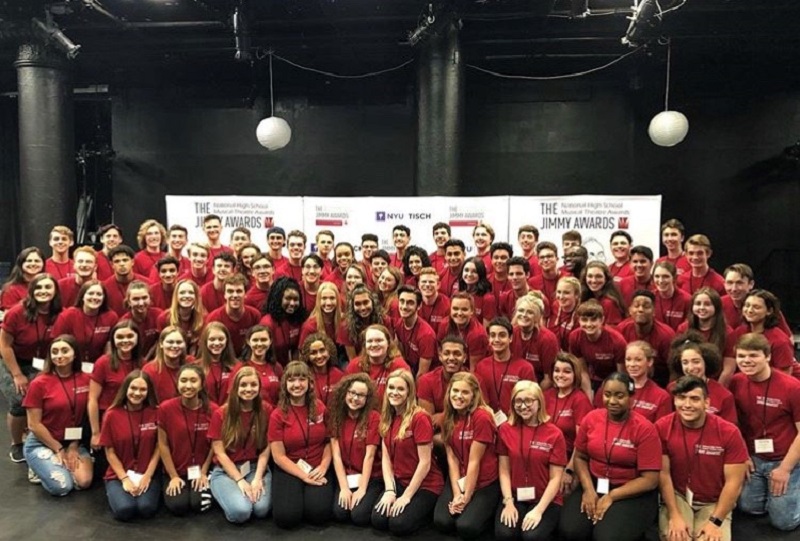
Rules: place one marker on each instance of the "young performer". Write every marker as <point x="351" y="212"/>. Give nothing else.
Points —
<point x="217" y="361"/>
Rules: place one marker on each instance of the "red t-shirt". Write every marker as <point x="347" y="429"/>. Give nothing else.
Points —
<point x="540" y="350"/>
<point x="165" y="381"/>
<point x="611" y="310"/>
<point x="403" y="452"/>
<point x="448" y="282"/>
<point x="325" y="383"/>
<point x="675" y="310"/>
<point x="285" y="268"/>
<point x="133" y="435"/>
<point x="270" y="375"/>
<point x="682" y="265"/>
<point x="91" y="332"/>
<point x="353" y="444"/>
<point x="782" y="347"/>
<point x="730" y="339"/>
<point x="485" y="306"/>
<point x="212" y="298"/>
<point x="285" y="337"/>
<point x="720" y="400"/>
<point x="247" y="451"/>
<point x="630" y="285"/>
<point x="62" y="401"/>
<point x="237" y="328"/>
<point x="104" y="270"/>
<point x="434" y="314"/>
<point x="256" y="297"/>
<point x="144" y="262"/>
<point x="659" y="338"/>
<point x="601" y="356"/>
<point x="160" y="297"/>
<point x="508" y="304"/>
<point x="14" y="293"/>
<point x="31" y="339"/>
<point x="498" y="287"/>
<point x="767" y="409"/>
<point x="310" y="327"/>
<point x="200" y="281"/>
<point x="379" y="373"/>
<point x="567" y="412"/>
<point x="59" y="270"/>
<point x="619" y="451"/>
<point x="116" y="292"/>
<point x="218" y="382"/>
<point x="110" y="380"/>
<point x="531" y="450"/>
<point x="620" y="271"/>
<point x="497" y="379"/>
<point x="712" y="279"/>
<point x="438" y="261"/>
<point x="547" y="286"/>
<point x="187" y="433"/>
<point x="561" y="323"/>
<point x="701" y="454"/>
<point x="309" y="299"/>
<point x="68" y="289"/>
<point x="148" y="329"/>
<point x="302" y="436"/>
<point x="432" y="387"/>
<point x="733" y="313"/>
<point x="477" y="427"/>
<point x="474" y="335"/>
<point x="651" y="401"/>
<point x="418" y="342"/>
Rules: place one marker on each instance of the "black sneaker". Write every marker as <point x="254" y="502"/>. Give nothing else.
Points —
<point x="16" y="453"/>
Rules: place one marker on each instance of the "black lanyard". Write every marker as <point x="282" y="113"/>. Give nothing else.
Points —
<point x="606" y="451"/>
<point x="530" y="446"/>
<point x="307" y="432"/>
<point x="88" y="338"/>
<point x="463" y="457"/>
<point x="136" y="437"/>
<point x="558" y="412"/>
<point x="393" y="436"/>
<point x="191" y="432"/>
<point x="348" y="463"/>
<point x="39" y="341"/>
<point x="692" y="289"/>
<point x="73" y="404"/>
<point x="498" y="388"/>
<point x="691" y="458"/>
<point x="766" y="399"/>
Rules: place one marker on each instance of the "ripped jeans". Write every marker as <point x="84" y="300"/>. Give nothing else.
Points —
<point x="56" y="478"/>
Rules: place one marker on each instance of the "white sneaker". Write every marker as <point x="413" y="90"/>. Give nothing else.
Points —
<point x="33" y="478"/>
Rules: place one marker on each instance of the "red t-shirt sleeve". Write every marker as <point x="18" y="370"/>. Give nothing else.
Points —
<point x="423" y="428"/>
<point x="484" y="428"/>
<point x="215" y="427"/>
<point x="648" y="448"/>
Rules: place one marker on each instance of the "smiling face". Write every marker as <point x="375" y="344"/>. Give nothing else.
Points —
<point x="362" y="305"/>
<point x="703" y="308"/>
<point x="693" y="364"/>
<point x="697" y="255"/>
<point x="526" y="405"/>
<point x="500" y="261"/>
<point x="239" y="239"/>
<point x="461" y="311"/>
<point x="737" y="286"/>
<point x="691" y="406"/>
<point x="526" y="315"/>
<point x="318" y="354"/>
<point x="222" y="269"/>
<point x="328" y="301"/>
<point x="212" y="229"/>
<point x="547" y="260"/>
<point x="620" y="248"/>
<point x="663" y="280"/>
<point x="216" y="342"/>
<point x="428" y="284"/>
<point x="454" y="256"/>
<point x="152" y="238"/>
<point x="247" y="255"/>
<point x="755" y="310"/>
<point x="186" y="295"/>
<point x="137" y="392"/>
<point x="352" y="278"/>
<point x="60" y="243"/>
<point x="563" y="375"/>
<point x="356" y="397"/>
<point x="641" y="267"/>
<point x="276" y="242"/>
<point x="636" y="362"/>
<point x="249" y="388"/>
<point x="527" y="241"/>
<point x="124" y="341"/>
<point x="290" y="302"/>
<point x="752" y="363"/>
<point x="45" y="291"/>
<point x="139" y="301"/>
<point x="168" y="274"/>
<point x="595" y="279"/>
<point x="368" y="247"/>
<point x="400" y="239"/>
<point x="311" y="271"/>
<point x="387" y="282"/>
<point x="376" y="345"/>
<point x="566" y="296"/>
<point x="263" y="270"/>
<point x="461" y="396"/>
<point x="93" y="298"/>
<point x="592" y="326"/>
<point x="499" y="339"/>
<point x="111" y="239"/>
<point x="452" y="356"/>
<point x="259" y="343"/>
<point x="177" y="240"/>
<point x="189" y="384"/>
<point x="198" y="258"/>
<point x="32" y="265"/>
<point x="297" y="387"/>
<point x="377" y="265"/>
<point x="482" y="239"/>
<point x="440" y="237"/>
<point x="344" y="257"/>
<point x="173" y="345"/>
<point x="61" y="355"/>
<point x="407" y="304"/>
<point x="672" y="239"/>
<point x="296" y="246"/>
<point x="414" y="264"/>
<point x="397" y="392"/>
<point x="469" y="274"/>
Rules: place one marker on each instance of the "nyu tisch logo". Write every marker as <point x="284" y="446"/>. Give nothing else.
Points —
<point x="380" y="216"/>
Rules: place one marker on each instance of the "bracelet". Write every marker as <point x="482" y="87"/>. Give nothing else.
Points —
<point x="123" y="478"/>
<point x="392" y="491"/>
<point x="508" y="500"/>
<point x="239" y="480"/>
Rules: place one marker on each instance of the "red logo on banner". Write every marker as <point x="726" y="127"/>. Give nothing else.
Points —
<point x="623" y="222"/>
<point x="269" y="221"/>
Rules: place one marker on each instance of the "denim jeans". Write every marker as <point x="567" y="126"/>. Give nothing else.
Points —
<point x="56" y="478"/>
<point x="236" y="506"/>
<point x="756" y="498"/>
<point x="127" y="507"/>
<point x="8" y="390"/>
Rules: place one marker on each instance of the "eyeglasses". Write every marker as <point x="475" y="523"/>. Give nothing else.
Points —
<point x="357" y="396"/>
<point x="527" y="402"/>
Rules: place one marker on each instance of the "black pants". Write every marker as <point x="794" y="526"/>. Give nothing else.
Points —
<point x="625" y="520"/>
<point x="188" y="500"/>
<point x="416" y="514"/>
<point x="544" y="531"/>
<point x="295" y="502"/>
<point x="475" y="518"/>
<point x="362" y="513"/>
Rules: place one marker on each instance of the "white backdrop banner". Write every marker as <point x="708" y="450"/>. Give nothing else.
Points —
<point x="256" y="213"/>
<point x="595" y="216"/>
<point x="350" y="217"/>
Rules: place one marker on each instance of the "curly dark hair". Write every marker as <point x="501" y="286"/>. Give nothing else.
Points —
<point x="355" y="324"/>
<point x="274" y="304"/>
<point x="415" y="250"/>
<point x="338" y="411"/>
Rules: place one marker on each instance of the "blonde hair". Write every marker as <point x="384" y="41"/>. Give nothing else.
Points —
<point x="573" y="282"/>
<point x="234" y="434"/>
<point x="147" y="224"/>
<point x="525" y="385"/>
<point x="534" y="300"/>
<point x="169" y="329"/>
<point x="387" y="411"/>
<point x="450" y="413"/>
<point x="316" y="313"/>
<point x="199" y="312"/>
<point x="63" y="230"/>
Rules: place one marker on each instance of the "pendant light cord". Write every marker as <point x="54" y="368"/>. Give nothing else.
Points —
<point x="271" y="96"/>
<point x="669" y="64"/>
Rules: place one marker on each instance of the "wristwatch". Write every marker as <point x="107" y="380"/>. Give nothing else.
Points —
<point x="715" y="521"/>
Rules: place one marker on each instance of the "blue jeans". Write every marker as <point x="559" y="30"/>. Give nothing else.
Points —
<point x="8" y="390"/>
<point x="757" y="499"/>
<point x="236" y="506"/>
<point x="56" y="478"/>
<point x="126" y="507"/>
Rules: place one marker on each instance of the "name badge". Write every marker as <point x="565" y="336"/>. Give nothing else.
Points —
<point x="73" y="433"/>
<point x="526" y="494"/>
<point x="689" y="496"/>
<point x="352" y="480"/>
<point x="134" y="477"/>
<point x="603" y="486"/>
<point x="38" y="363"/>
<point x="305" y="466"/>
<point x="244" y="469"/>
<point x="765" y="445"/>
<point x="193" y="473"/>
<point x="87" y="368"/>
<point x="462" y="484"/>
<point x="499" y="418"/>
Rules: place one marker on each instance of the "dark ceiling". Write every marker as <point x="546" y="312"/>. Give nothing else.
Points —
<point x="130" y="40"/>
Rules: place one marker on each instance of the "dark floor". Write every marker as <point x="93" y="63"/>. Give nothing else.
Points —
<point x="29" y="513"/>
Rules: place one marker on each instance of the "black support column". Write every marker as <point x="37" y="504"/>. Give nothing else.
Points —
<point x="46" y="143"/>
<point x="440" y="115"/>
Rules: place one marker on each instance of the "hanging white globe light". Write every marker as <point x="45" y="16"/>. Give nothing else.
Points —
<point x="668" y="128"/>
<point x="273" y="132"/>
